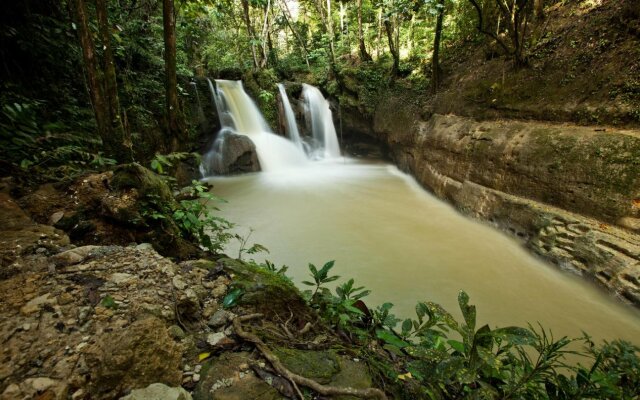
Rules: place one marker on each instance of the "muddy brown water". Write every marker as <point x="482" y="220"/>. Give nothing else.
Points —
<point x="405" y="245"/>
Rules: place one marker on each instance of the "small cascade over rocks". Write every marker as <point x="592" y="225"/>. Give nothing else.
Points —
<point x="291" y="125"/>
<point x="245" y="132"/>
<point x="318" y="116"/>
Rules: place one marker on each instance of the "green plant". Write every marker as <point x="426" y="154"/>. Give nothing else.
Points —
<point x="196" y="220"/>
<point x="320" y="277"/>
<point x="243" y="240"/>
<point x="162" y="161"/>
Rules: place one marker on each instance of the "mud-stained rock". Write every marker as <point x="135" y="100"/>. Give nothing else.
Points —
<point x="137" y="356"/>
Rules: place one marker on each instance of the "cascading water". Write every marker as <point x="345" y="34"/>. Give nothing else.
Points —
<point x="239" y="115"/>
<point x="318" y="114"/>
<point x="291" y="127"/>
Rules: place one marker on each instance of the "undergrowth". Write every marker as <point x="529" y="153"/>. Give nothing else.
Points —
<point x="435" y="356"/>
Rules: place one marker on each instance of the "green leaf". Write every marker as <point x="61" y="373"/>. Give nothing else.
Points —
<point x="232" y="298"/>
<point x="456" y="345"/>
<point x="390" y="338"/>
<point x="468" y="311"/>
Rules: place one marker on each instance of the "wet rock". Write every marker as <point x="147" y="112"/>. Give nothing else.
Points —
<point x="158" y="391"/>
<point x="233" y="154"/>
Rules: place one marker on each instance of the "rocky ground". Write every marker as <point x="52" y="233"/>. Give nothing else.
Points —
<point x="122" y="321"/>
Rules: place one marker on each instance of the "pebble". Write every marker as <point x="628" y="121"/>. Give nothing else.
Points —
<point x="214" y="338"/>
<point x="197" y="368"/>
<point x="196" y="377"/>
<point x="26" y="327"/>
<point x="41" y="384"/>
<point x="178" y="283"/>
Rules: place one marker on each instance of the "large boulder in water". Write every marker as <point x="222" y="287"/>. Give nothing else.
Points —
<point x="233" y="154"/>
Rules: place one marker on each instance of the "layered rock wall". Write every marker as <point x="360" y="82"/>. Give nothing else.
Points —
<point x="570" y="194"/>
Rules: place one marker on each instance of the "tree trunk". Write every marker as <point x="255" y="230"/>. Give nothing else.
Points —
<point x="538" y="9"/>
<point x="175" y="128"/>
<point x="435" y="59"/>
<point x="96" y="91"/>
<point x="392" y="48"/>
<point x="121" y="137"/>
<point x="331" y="35"/>
<point x="252" y="36"/>
<point x="364" y="56"/>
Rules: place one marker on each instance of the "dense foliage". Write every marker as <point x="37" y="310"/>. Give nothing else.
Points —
<point x="452" y="359"/>
<point x="64" y="109"/>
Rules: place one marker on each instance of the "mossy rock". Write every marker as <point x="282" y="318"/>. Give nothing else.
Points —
<point x="221" y="379"/>
<point x="146" y="182"/>
<point x="320" y="366"/>
<point x="326" y="367"/>
<point x="267" y="292"/>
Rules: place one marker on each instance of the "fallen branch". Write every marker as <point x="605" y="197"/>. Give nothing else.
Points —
<point x="295" y="379"/>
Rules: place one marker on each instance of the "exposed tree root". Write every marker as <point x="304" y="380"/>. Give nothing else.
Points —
<point x="295" y="379"/>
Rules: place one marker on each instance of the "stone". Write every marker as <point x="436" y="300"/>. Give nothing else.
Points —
<point x="73" y="256"/>
<point x="179" y="283"/>
<point x="55" y="217"/>
<point x="41" y="384"/>
<point x="158" y="391"/>
<point x="137" y="356"/>
<point x="219" y="319"/>
<point x="121" y="278"/>
<point x="65" y="298"/>
<point x="144" y="246"/>
<point x="233" y="154"/>
<point x="11" y="392"/>
<point x="214" y="338"/>
<point x="219" y="290"/>
<point x="36" y="304"/>
<point x="176" y="332"/>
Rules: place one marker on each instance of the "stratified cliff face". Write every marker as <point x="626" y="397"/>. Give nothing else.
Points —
<point x="571" y="194"/>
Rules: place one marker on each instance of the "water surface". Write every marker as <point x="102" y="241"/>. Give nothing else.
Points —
<point x="405" y="245"/>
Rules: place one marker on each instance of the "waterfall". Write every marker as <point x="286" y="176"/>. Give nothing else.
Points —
<point x="318" y="114"/>
<point x="292" y="127"/>
<point x="239" y="115"/>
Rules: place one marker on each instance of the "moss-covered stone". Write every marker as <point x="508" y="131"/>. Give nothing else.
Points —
<point x="267" y="292"/>
<point x="320" y="366"/>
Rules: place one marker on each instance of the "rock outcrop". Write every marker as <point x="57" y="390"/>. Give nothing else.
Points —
<point x="570" y="194"/>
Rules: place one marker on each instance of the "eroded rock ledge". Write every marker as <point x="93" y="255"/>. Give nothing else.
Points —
<point x="570" y="194"/>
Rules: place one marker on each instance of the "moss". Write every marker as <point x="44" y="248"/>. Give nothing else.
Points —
<point x="318" y="365"/>
<point x="268" y="292"/>
<point x="146" y="182"/>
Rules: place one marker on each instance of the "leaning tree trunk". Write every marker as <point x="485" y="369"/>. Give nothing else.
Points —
<point x="96" y="91"/>
<point x="176" y="132"/>
<point x="121" y="137"/>
<point x="392" y="48"/>
<point x="435" y="60"/>
<point x="364" y="56"/>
